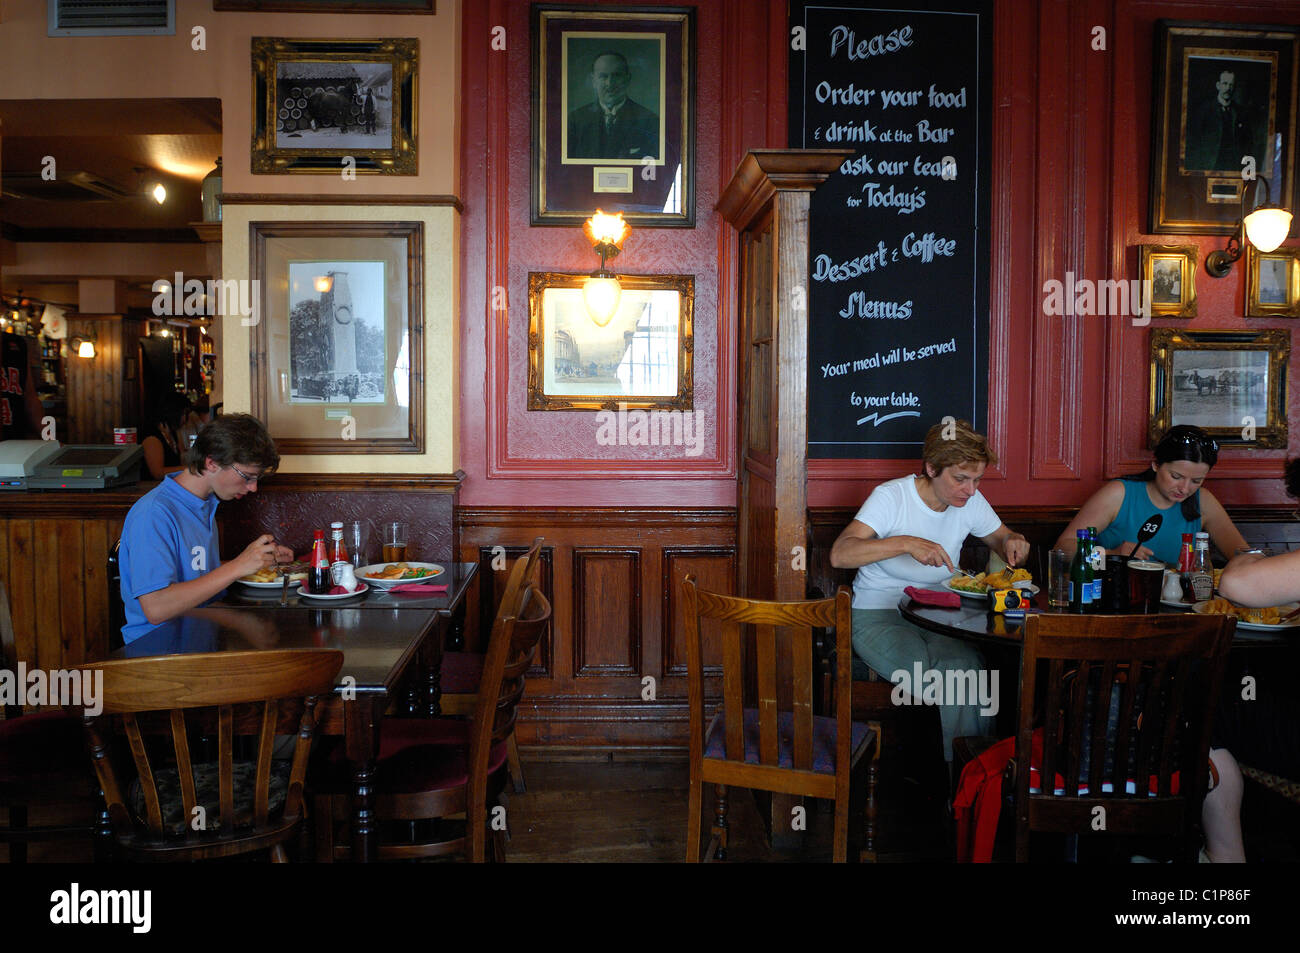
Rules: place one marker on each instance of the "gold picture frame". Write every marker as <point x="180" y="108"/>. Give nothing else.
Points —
<point x="1272" y="283"/>
<point x="332" y="106"/>
<point x="1169" y="279"/>
<point x="1232" y="384"/>
<point x="642" y="359"/>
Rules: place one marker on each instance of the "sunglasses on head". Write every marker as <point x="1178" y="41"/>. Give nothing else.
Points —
<point x="1208" y="446"/>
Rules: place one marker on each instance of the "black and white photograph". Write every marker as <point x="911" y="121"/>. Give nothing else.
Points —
<point x="1167" y="280"/>
<point x="323" y="104"/>
<point x="336" y="332"/>
<point x="331" y="106"/>
<point x="1272" y="281"/>
<point x="1226" y="115"/>
<point x="1220" y="388"/>
<point x="614" y="98"/>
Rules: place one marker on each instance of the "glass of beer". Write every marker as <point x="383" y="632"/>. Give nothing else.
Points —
<point x="1145" y="577"/>
<point x="394" y="542"/>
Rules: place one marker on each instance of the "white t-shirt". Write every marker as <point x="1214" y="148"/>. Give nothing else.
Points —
<point x="896" y="509"/>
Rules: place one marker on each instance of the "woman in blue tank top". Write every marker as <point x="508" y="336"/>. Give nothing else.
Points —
<point x="1172" y="488"/>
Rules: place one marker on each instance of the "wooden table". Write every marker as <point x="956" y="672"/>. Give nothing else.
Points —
<point x="381" y="635"/>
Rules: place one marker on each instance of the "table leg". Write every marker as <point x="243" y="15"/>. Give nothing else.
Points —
<point x="361" y="738"/>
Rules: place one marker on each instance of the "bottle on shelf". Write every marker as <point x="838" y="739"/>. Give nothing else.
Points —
<point x="1081" y="577"/>
<point x="318" y="575"/>
<point x="1201" y="575"/>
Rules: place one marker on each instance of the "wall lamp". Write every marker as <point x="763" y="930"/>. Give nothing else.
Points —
<point x="601" y="291"/>
<point x="83" y="347"/>
<point x="1265" y="228"/>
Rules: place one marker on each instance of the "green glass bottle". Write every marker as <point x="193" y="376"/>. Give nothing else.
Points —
<point x="1081" y="576"/>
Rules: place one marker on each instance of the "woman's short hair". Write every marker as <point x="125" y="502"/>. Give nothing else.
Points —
<point x="955" y="443"/>
<point x="232" y="439"/>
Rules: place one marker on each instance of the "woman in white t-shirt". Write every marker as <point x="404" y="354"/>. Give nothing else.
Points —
<point x="910" y="532"/>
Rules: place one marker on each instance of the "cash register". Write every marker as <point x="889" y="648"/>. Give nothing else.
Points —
<point x="88" y="467"/>
<point x="19" y="459"/>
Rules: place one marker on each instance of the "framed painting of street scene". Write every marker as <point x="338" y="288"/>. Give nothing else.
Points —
<point x="1232" y="384"/>
<point x="332" y="106"/>
<point x="337" y="344"/>
<point x="613" y="114"/>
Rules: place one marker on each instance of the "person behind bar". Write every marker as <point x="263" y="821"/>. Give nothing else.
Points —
<point x="162" y="435"/>
<point x="1181" y="461"/>
<point x="910" y="532"/>
<point x="169" y="552"/>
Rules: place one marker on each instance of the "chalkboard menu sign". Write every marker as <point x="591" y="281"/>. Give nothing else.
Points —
<point x="899" y="269"/>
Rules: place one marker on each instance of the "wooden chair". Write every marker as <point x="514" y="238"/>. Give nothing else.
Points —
<point x="462" y="672"/>
<point x="1127" y="706"/>
<point x="436" y="768"/>
<point x="42" y="762"/>
<point x="197" y="811"/>
<point x="784" y="751"/>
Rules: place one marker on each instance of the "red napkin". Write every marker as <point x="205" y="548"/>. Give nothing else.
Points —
<point x="420" y="587"/>
<point x="929" y="597"/>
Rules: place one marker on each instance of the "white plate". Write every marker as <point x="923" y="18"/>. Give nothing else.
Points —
<point x="272" y="585"/>
<point x="1175" y="603"/>
<point x="984" y="595"/>
<point x="1258" y="626"/>
<point x="346" y="595"/>
<point x="364" y="574"/>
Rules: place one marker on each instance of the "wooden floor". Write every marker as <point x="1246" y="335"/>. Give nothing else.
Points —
<point x="611" y="810"/>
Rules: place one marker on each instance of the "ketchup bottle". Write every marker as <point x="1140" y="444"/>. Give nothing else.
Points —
<point x="318" y="575"/>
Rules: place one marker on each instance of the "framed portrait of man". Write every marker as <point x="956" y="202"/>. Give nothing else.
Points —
<point x="613" y="114"/>
<point x="1224" y="115"/>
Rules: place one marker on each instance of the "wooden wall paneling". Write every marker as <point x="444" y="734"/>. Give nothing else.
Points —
<point x="71" y="581"/>
<point x="45" y="590"/>
<point x="607" y="602"/>
<point x="714" y="568"/>
<point x="22" y="593"/>
<point x="491" y="582"/>
<point x="97" y="535"/>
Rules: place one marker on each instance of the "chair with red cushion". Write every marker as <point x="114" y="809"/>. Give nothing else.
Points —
<point x="1127" y="704"/>
<point x="462" y="672"/>
<point x="42" y="762"/>
<point x="434" y="768"/>
<point x="772" y="747"/>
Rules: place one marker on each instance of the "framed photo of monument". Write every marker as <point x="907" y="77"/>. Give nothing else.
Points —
<point x="613" y="114"/>
<point x="1223" y="113"/>
<point x="337" y="339"/>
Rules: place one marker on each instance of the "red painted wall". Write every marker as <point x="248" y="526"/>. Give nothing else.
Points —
<point x="1068" y="396"/>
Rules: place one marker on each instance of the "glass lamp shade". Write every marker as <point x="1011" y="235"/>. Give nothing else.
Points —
<point x="211" y="194"/>
<point x="159" y="193"/>
<point x="1267" y="227"/>
<point x="601" y="294"/>
<point x="87" y="349"/>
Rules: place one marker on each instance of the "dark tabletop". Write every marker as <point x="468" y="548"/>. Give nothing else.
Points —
<point x="457" y="580"/>
<point x="973" y="622"/>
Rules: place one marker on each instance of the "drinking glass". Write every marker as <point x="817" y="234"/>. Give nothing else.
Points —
<point x="1114" y="589"/>
<point x="358" y="538"/>
<point x="1145" y="577"/>
<point x="1058" y="578"/>
<point x="394" y="542"/>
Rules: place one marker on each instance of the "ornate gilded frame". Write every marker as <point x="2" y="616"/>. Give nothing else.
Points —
<point x="1182" y="305"/>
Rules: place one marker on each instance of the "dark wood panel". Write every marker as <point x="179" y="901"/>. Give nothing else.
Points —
<point x="607" y="612"/>
<point x="71" y="592"/>
<point x="492" y="573"/>
<point x="714" y="569"/>
<point x="99" y="544"/>
<point x="46" y="578"/>
<point x="22" y="595"/>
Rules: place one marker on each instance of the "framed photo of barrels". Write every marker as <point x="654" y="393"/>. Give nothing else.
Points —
<point x="1223" y="114"/>
<point x="334" y="106"/>
<point x="613" y="114"/>
<point x="1232" y="384"/>
<point x="337" y="337"/>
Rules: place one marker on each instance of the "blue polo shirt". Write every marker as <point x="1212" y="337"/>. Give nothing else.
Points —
<point x="170" y="535"/>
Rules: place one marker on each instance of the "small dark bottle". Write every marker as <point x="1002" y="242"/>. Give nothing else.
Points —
<point x="318" y="575"/>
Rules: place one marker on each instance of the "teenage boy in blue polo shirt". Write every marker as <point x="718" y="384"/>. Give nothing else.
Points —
<point x="169" y="555"/>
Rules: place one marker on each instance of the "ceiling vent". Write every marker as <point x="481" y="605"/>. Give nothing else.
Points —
<point x="77" y="187"/>
<point x="111" y="17"/>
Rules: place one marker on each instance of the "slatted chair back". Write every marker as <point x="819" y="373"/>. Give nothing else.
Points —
<point x="775" y="747"/>
<point x="230" y="694"/>
<point x="509" y="656"/>
<point x="1125" y="714"/>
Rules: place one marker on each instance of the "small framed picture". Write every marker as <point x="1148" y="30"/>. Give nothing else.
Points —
<point x="326" y="6"/>
<point x="643" y="358"/>
<point x="1232" y="384"/>
<point x="1272" y="283"/>
<point x="325" y="106"/>
<point x="1224" y="106"/>
<point x="1169" y="279"/>
<point x="613" y="114"/>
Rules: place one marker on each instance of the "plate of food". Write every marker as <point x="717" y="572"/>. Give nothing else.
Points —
<point x="387" y="575"/>
<point x="1267" y="619"/>
<point x="978" y="586"/>
<point x="327" y="597"/>
<point x="269" y="578"/>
